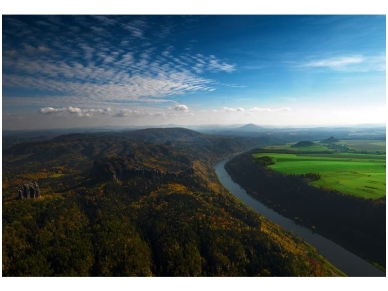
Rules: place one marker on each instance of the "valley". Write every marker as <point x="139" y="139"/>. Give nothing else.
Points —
<point x="193" y="145"/>
<point x="141" y="203"/>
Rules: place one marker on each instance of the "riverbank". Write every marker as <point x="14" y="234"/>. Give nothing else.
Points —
<point x="344" y="260"/>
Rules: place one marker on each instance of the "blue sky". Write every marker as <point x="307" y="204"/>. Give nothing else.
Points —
<point x="95" y="70"/>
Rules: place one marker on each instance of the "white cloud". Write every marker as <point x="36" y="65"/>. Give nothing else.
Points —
<point x="48" y="110"/>
<point x="181" y="107"/>
<point x="229" y="109"/>
<point x="74" y="111"/>
<point x="260" y="109"/>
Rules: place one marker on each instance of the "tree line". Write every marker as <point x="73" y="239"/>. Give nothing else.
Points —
<point x="356" y="223"/>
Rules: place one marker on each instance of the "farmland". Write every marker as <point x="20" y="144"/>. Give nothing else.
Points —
<point x="364" y="145"/>
<point x="352" y="145"/>
<point x="362" y="175"/>
<point x="288" y="146"/>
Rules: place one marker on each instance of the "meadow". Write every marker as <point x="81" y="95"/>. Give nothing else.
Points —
<point x="362" y="175"/>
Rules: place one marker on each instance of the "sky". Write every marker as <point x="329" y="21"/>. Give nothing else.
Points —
<point x="62" y="71"/>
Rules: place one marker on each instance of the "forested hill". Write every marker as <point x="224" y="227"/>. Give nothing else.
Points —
<point x="90" y="146"/>
<point x="301" y="144"/>
<point x="358" y="224"/>
<point x="144" y="203"/>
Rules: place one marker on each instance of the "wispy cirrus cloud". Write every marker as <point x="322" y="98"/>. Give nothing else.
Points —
<point x="136" y="87"/>
<point x="253" y="109"/>
<point x="336" y="63"/>
<point x="147" y="112"/>
<point x="91" y="69"/>
<point x="359" y="63"/>
<point x="201" y="63"/>
<point x="124" y="74"/>
<point x="216" y="65"/>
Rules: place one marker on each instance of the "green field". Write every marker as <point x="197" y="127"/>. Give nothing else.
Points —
<point x="361" y="175"/>
<point x="364" y="145"/>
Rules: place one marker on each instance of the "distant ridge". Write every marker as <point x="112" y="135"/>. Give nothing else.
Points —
<point x="250" y="127"/>
<point x="303" y="144"/>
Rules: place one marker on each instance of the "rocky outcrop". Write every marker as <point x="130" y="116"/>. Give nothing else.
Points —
<point x="27" y="191"/>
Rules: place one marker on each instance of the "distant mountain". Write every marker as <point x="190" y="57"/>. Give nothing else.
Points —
<point x="250" y="127"/>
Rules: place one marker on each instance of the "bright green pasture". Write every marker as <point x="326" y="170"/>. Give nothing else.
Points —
<point x="364" y="145"/>
<point x="357" y="174"/>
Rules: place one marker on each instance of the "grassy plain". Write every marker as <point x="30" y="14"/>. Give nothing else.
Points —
<point x="361" y="175"/>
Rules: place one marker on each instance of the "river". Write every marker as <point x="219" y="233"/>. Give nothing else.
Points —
<point x="344" y="260"/>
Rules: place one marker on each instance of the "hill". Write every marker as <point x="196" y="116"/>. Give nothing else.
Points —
<point x="303" y="144"/>
<point x="249" y="128"/>
<point x="78" y="151"/>
<point x="141" y="203"/>
<point x="330" y="140"/>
